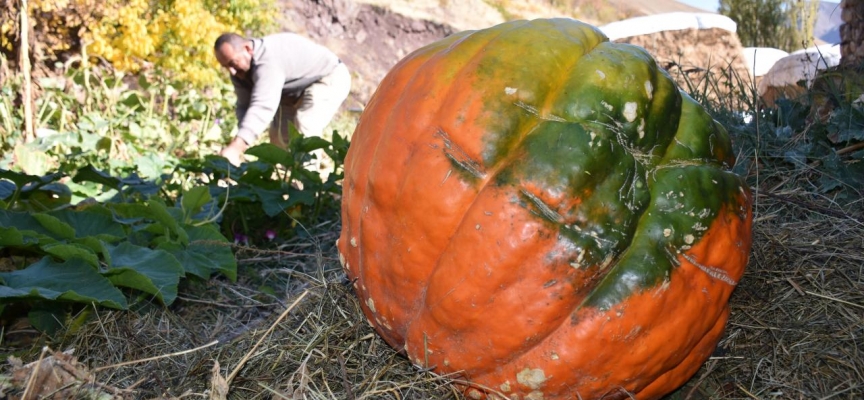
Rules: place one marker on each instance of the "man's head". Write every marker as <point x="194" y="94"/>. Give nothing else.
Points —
<point x="234" y="52"/>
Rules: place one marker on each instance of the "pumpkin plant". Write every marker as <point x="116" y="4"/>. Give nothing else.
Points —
<point x="544" y="213"/>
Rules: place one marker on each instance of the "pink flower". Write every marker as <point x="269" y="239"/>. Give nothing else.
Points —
<point x="270" y="234"/>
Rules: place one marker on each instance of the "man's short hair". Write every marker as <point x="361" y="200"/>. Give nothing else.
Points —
<point x="231" y="38"/>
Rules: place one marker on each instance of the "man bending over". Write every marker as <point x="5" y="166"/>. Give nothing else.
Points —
<point x="281" y="80"/>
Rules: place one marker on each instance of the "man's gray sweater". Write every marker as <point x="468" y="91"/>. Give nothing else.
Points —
<point x="283" y="64"/>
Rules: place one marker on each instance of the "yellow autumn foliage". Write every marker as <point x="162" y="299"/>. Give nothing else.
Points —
<point x="56" y="24"/>
<point x="172" y="36"/>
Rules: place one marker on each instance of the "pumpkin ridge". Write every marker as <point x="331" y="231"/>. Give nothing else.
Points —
<point x="580" y="224"/>
<point x="683" y="130"/>
<point x="554" y="96"/>
<point x="676" y="376"/>
<point x="527" y="108"/>
<point x="638" y="101"/>
<point x="485" y="175"/>
<point x="515" y="152"/>
<point x="539" y="111"/>
<point x="387" y="132"/>
<point x="450" y="142"/>
<point x="612" y="281"/>
<point x="613" y="134"/>
<point x="696" y="124"/>
<point x="597" y="319"/>
<point x="416" y="72"/>
<point x="629" y="152"/>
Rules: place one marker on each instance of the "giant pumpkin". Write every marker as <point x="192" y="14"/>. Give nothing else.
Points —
<point x="545" y="214"/>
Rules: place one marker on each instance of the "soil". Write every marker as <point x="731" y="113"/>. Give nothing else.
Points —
<point x="369" y="39"/>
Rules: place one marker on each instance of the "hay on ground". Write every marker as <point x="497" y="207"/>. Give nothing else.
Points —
<point x="794" y="333"/>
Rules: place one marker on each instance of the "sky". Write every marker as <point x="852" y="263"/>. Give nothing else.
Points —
<point x="713" y="5"/>
<point x="710" y="5"/>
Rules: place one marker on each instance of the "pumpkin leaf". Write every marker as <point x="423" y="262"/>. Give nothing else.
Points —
<point x="69" y="251"/>
<point x="273" y="202"/>
<point x="11" y="236"/>
<point x="271" y="154"/>
<point x="27" y="182"/>
<point x="156" y="272"/>
<point x="194" y="200"/>
<point x="129" y="213"/>
<point x="91" y="174"/>
<point x="160" y="213"/>
<point x="220" y="168"/>
<point x="313" y="143"/>
<point x="47" y="197"/>
<point x="207" y="242"/>
<point x="72" y="280"/>
<point x="32" y="159"/>
<point x="93" y="222"/>
<point x="23" y="222"/>
<point x="297" y="196"/>
<point x="47" y="317"/>
<point x="133" y="184"/>
<point x="208" y="252"/>
<point x="59" y="229"/>
<point x="97" y="246"/>
<point x="7" y="189"/>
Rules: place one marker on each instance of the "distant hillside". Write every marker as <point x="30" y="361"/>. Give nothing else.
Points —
<point x="648" y="7"/>
<point x="827" y="28"/>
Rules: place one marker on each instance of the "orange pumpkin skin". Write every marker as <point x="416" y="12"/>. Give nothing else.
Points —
<point x="544" y="213"/>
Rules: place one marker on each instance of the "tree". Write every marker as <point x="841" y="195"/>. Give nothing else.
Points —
<point x="784" y="24"/>
<point x="797" y="30"/>
<point x="852" y="33"/>
<point x="173" y="36"/>
<point x="759" y="21"/>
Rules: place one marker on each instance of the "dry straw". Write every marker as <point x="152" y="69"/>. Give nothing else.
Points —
<point x="795" y="330"/>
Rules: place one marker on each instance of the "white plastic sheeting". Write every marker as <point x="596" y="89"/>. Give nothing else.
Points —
<point x="759" y="60"/>
<point x="800" y="65"/>
<point x="667" y="22"/>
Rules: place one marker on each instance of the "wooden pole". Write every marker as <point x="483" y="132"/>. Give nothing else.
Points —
<point x="27" y="97"/>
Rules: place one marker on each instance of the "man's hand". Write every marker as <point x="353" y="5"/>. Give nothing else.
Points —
<point x="234" y="151"/>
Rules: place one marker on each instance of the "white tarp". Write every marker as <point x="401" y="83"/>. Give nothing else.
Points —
<point x="759" y="60"/>
<point x="800" y="65"/>
<point x="673" y="21"/>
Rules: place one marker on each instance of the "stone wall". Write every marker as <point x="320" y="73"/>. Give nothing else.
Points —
<point x="852" y="32"/>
